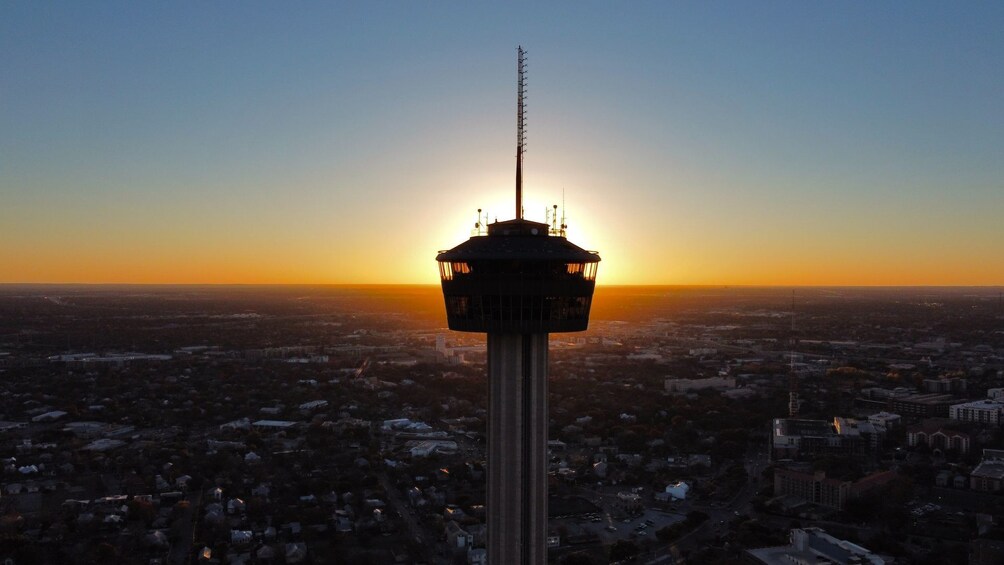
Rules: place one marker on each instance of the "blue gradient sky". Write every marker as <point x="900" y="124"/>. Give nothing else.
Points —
<point x="697" y="143"/>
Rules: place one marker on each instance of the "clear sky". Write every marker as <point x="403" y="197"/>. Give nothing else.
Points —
<point x="777" y="143"/>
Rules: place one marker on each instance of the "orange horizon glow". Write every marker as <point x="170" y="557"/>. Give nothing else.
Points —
<point x="266" y="245"/>
<point x="381" y="265"/>
<point x="643" y="255"/>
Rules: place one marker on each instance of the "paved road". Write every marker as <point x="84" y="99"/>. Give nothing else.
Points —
<point x="415" y="531"/>
<point x="181" y="551"/>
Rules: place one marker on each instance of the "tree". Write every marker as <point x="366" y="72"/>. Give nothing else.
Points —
<point x="142" y="510"/>
<point x="623" y="549"/>
<point x="105" y="552"/>
<point x="577" y="559"/>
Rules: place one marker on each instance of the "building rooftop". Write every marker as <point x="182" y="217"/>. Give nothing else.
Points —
<point x="813" y="546"/>
<point x="932" y="425"/>
<point x="797" y="427"/>
<point x="992" y="465"/>
<point x="929" y="398"/>
<point x="852" y="427"/>
<point x="983" y="404"/>
<point x="518" y="239"/>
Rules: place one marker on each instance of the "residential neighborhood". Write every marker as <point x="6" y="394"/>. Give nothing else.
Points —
<point x="347" y="426"/>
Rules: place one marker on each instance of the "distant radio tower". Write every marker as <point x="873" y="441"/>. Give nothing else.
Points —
<point x="792" y="377"/>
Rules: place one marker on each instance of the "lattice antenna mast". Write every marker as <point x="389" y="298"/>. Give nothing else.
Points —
<point x="520" y="126"/>
<point x="792" y="378"/>
<point x="792" y="342"/>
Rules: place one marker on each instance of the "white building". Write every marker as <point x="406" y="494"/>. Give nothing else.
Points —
<point x="274" y="425"/>
<point x="678" y="491"/>
<point x="49" y="416"/>
<point x="243" y="424"/>
<point x="430" y="446"/>
<point x="885" y="421"/>
<point x="313" y="405"/>
<point x="405" y="425"/>
<point x="979" y="411"/>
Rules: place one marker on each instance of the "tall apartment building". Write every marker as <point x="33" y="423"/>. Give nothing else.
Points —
<point x="816" y="488"/>
<point x="978" y="411"/>
<point x="793" y="438"/>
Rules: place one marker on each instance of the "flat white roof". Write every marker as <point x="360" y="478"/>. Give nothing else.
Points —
<point x="274" y="423"/>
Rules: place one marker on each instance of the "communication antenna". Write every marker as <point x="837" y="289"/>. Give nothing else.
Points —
<point x="564" y="225"/>
<point x="520" y="126"/>
<point x="479" y="225"/>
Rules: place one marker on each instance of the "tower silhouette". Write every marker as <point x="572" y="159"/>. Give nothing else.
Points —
<point x="518" y="283"/>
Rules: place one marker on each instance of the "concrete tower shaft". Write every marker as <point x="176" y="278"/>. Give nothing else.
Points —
<point x="517" y="448"/>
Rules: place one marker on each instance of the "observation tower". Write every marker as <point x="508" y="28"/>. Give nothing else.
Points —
<point x="520" y="282"/>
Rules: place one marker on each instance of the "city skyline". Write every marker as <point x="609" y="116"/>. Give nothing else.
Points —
<point x="777" y="144"/>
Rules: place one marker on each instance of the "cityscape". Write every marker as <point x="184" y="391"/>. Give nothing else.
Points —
<point x="271" y="294"/>
<point x="346" y="425"/>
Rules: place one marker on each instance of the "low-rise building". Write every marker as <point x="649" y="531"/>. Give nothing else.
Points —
<point x="274" y="425"/>
<point x="795" y="438"/>
<point x="50" y="416"/>
<point x="988" y="476"/>
<point x="428" y="447"/>
<point x="943" y="385"/>
<point x="815" y="487"/>
<point x="677" y="491"/>
<point x="927" y="405"/>
<point x="815" y="546"/>
<point x="939" y="433"/>
<point x="313" y="405"/>
<point x="457" y="537"/>
<point x="885" y="421"/>
<point x="985" y="411"/>
<point x="855" y="431"/>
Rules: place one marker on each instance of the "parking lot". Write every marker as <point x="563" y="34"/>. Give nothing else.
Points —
<point x="610" y="530"/>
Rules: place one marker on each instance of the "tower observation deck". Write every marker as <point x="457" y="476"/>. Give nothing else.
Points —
<point x="518" y="283"/>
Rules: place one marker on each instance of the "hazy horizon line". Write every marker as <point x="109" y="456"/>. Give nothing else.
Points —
<point x="436" y="285"/>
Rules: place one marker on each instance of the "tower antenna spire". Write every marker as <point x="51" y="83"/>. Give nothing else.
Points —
<point x="520" y="126"/>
